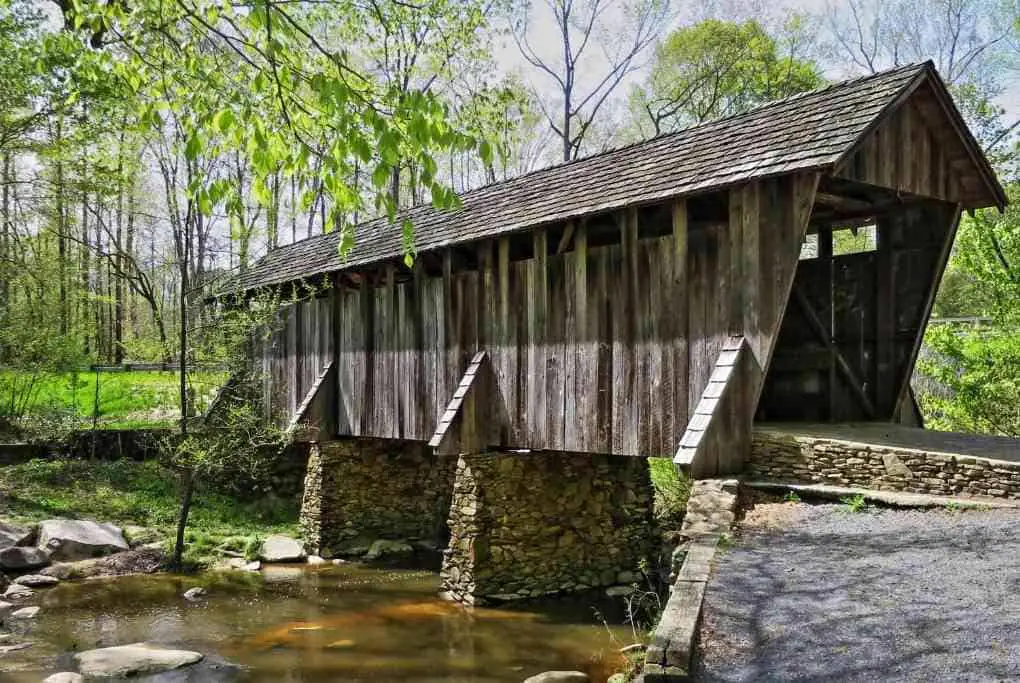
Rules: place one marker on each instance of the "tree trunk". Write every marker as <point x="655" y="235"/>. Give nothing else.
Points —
<point x="187" y="490"/>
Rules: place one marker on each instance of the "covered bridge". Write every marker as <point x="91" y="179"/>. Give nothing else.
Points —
<point x="649" y="301"/>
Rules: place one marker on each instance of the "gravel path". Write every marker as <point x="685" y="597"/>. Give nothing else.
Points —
<point x="881" y="595"/>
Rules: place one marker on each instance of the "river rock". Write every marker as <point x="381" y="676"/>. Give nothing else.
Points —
<point x="5" y="609"/>
<point x="64" y="677"/>
<point x="37" y="580"/>
<point x="316" y="560"/>
<point x="75" y="539"/>
<point x="193" y="594"/>
<point x="138" y="536"/>
<point x="18" y="592"/>
<point x="558" y="677"/>
<point x="12" y="535"/>
<point x="4" y="649"/>
<point x="124" y="661"/>
<point x="384" y="548"/>
<point x="22" y="559"/>
<point x="24" y="613"/>
<point x="279" y="548"/>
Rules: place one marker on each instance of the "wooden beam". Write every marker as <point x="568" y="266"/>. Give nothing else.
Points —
<point x="319" y="389"/>
<point x="952" y="213"/>
<point x="568" y="234"/>
<point x="841" y="362"/>
<point x="843" y="203"/>
<point x="468" y="425"/>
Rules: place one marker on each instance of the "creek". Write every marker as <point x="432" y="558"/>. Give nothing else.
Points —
<point x="327" y="623"/>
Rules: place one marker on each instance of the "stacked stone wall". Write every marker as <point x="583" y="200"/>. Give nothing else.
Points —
<point x="525" y="525"/>
<point x="358" y="491"/>
<point x="790" y="458"/>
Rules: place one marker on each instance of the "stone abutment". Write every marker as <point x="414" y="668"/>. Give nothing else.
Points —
<point x="519" y="525"/>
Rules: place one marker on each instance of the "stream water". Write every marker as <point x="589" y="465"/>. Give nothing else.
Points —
<point x="346" y="623"/>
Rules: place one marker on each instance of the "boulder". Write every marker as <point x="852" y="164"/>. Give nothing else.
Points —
<point x="36" y="580"/>
<point x="18" y="592"/>
<point x="68" y="540"/>
<point x="24" y="613"/>
<point x="4" y="649"/>
<point x="278" y="548"/>
<point x="64" y="677"/>
<point x="138" y="536"/>
<point x="384" y="548"/>
<point x="124" y="661"/>
<point x="558" y="677"/>
<point x="193" y="594"/>
<point x="12" y="535"/>
<point x="23" y="559"/>
<point x="316" y="560"/>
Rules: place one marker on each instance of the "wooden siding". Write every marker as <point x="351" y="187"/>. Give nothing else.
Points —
<point x="767" y="224"/>
<point x="910" y="151"/>
<point x="593" y="348"/>
<point x="296" y="353"/>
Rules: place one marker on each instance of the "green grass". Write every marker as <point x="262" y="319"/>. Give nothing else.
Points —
<point x="126" y="400"/>
<point x="671" y="492"/>
<point x="143" y="493"/>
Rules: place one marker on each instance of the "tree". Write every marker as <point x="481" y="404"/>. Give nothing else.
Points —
<point x="582" y="78"/>
<point x="973" y="364"/>
<point x="718" y="68"/>
<point x="968" y="40"/>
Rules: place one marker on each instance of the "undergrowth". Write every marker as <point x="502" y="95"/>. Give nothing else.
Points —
<point x="145" y="494"/>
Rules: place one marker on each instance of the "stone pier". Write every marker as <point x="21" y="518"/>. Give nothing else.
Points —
<point x="361" y="490"/>
<point x="530" y="524"/>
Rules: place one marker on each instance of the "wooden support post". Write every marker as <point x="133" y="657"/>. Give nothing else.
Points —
<point x="885" y="320"/>
<point x="825" y="257"/>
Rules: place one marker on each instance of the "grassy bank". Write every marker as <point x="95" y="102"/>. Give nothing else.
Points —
<point x="140" y="493"/>
<point x="125" y="400"/>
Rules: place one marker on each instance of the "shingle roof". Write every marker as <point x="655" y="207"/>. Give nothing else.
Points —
<point x="807" y="131"/>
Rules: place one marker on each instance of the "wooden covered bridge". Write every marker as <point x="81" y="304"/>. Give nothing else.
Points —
<point x="654" y="300"/>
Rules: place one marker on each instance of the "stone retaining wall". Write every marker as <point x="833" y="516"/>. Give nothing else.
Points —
<point x="791" y="458"/>
<point x="360" y="490"/>
<point x="525" y="525"/>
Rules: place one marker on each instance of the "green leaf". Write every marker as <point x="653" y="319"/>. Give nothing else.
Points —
<point x="381" y="176"/>
<point x="193" y="147"/>
<point x="223" y="120"/>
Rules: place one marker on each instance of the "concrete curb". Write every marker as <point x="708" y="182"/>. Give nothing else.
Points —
<point x="671" y="652"/>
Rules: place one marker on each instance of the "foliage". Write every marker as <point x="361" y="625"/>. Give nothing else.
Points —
<point x="855" y="503"/>
<point x="672" y="490"/>
<point x="718" y="68"/>
<point x="972" y="365"/>
<point x="142" y="493"/>
<point x="126" y="400"/>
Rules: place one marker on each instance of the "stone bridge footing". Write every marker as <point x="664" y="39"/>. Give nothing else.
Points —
<point x="519" y="525"/>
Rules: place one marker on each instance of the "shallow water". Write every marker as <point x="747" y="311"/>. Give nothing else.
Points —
<point x="347" y="623"/>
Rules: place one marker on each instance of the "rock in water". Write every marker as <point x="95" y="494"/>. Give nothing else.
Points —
<point x="64" y="677"/>
<point x="18" y="592"/>
<point x="315" y="560"/>
<point x="558" y="677"/>
<point x="12" y="535"/>
<point x="5" y="609"/>
<point x="24" y="613"/>
<point x="277" y="548"/>
<point x="68" y="540"/>
<point x="36" y="580"/>
<point x="384" y="548"/>
<point x="193" y="594"/>
<point x="21" y="559"/>
<point x="136" y="659"/>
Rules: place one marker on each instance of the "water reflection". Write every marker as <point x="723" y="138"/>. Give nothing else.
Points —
<point x="323" y="624"/>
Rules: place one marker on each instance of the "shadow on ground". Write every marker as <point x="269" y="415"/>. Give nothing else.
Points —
<point x="879" y="595"/>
